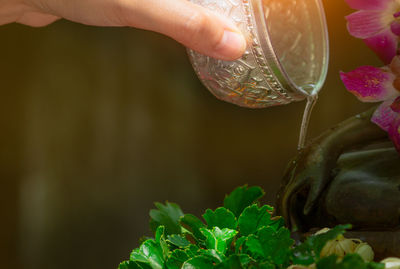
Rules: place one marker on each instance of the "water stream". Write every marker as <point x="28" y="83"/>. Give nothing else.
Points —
<point x="311" y="101"/>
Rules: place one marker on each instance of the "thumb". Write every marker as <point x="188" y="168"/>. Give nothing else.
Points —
<point x="189" y="24"/>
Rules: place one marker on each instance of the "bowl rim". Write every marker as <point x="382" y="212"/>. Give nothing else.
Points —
<point x="270" y="54"/>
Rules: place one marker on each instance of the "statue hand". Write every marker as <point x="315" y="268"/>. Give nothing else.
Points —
<point x="310" y="172"/>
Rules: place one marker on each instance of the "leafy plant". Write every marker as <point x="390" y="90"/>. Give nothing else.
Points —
<point x="242" y="234"/>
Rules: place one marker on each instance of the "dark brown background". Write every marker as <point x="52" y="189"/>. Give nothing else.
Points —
<point x="98" y="123"/>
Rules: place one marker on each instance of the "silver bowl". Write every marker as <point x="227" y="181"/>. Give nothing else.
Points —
<point x="286" y="58"/>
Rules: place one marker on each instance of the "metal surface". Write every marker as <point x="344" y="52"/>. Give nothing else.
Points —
<point x="286" y="56"/>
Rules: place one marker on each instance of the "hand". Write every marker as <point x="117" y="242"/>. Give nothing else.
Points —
<point x="187" y="23"/>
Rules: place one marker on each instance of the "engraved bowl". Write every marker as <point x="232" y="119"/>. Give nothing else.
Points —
<point x="286" y="58"/>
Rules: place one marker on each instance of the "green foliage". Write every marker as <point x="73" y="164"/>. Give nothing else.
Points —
<point x="350" y="261"/>
<point x="241" y="198"/>
<point x="218" y="239"/>
<point x="236" y="261"/>
<point x="167" y="215"/>
<point x="193" y="225"/>
<point x="150" y="253"/>
<point x="198" y="262"/>
<point x="240" y="235"/>
<point x="177" y="259"/>
<point x="221" y="217"/>
<point x="271" y="245"/>
<point x="253" y="218"/>
<point x="178" y="240"/>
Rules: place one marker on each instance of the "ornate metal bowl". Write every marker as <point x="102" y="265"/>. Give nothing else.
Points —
<point x="286" y="57"/>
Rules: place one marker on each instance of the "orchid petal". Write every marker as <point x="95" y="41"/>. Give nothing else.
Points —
<point x="384" y="45"/>
<point x="369" y="4"/>
<point x="394" y="133"/>
<point x="396" y="105"/>
<point x="395" y="27"/>
<point x="364" y="24"/>
<point x="384" y="116"/>
<point x="370" y="84"/>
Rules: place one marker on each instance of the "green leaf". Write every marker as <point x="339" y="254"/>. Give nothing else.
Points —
<point x="193" y="225"/>
<point x="221" y="218"/>
<point x="375" y="265"/>
<point x="350" y="261"/>
<point x="129" y="265"/>
<point x="241" y="198"/>
<point x="266" y="265"/>
<point x="239" y="244"/>
<point x="303" y="254"/>
<point x="180" y="256"/>
<point x="177" y="258"/>
<point x="283" y="243"/>
<point x="327" y="262"/>
<point x="137" y="256"/>
<point x="167" y="215"/>
<point x="277" y="223"/>
<point x="160" y="239"/>
<point x="271" y="244"/>
<point x="149" y="253"/>
<point x="213" y="255"/>
<point x="178" y="240"/>
<point x="245" y="259"/>
<point x="218" y="239"/>
<point x="198" y="262"/>
<point x="193" y="251"/>
<point x="254" y="246"/>
<point x="159" y="233"/>
<point x="235" y="262"/>
<point x="253" y="218"/>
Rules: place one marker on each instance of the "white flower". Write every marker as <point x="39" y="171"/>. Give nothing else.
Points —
<point x="365" y="251"/>
<point x="342" y="246"/>
<point x="391" y="263"/>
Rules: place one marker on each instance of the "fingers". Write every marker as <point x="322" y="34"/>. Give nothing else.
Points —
<point x="187" y="23"/>
<point x="36" y="19"/>
<point x="312" y="197"/>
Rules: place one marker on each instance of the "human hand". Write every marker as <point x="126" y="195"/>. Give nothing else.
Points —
<point x="187" y="23"/>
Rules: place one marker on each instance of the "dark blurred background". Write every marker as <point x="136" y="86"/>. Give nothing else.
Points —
<point x="98" y="123"/>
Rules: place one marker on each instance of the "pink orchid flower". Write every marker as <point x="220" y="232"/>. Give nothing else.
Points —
<point x="372" y="84"/>
<point x="378" y="23"/>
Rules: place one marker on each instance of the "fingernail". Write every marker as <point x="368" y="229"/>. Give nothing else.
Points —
<point x="231" y="46"/>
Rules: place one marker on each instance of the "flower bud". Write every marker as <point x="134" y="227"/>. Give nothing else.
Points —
<point x="365" y="251"/>
<point x="322" y="231"/>
<point x="342" y="246"/>
<point x="338" y="247"/>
